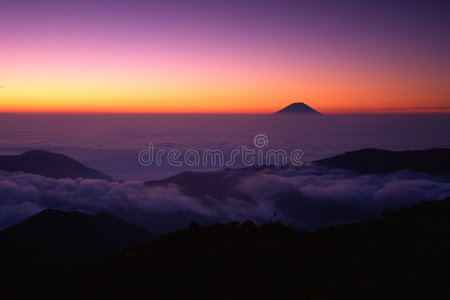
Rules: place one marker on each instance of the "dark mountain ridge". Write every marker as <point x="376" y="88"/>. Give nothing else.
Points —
<point x="48" y="164"/>
<point x="368" y="161"/>
<point x="402" y="256"/>
<point x="222" y="183"/>
<point x="206" y="184"/>
<point x="54" y="239"/>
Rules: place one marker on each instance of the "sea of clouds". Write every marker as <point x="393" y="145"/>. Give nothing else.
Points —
<point x="111" y="143"/>
<point x="309" y="197"/>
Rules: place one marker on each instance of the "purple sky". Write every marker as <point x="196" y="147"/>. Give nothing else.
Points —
<point x="339" y="55"/>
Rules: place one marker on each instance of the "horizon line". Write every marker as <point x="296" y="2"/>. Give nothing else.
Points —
<point x="218" y="113"/>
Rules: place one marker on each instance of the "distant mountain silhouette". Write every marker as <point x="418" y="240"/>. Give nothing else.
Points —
<point x="367" y="161"/>
<point x="222" y="184"/>
<point x="53" y="239"/>
<point x="206" y="184"/>
<point x="48" y="164"/>
<point x="298" y="108"/>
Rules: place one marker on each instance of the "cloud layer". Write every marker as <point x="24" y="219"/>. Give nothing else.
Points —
<point x="309" y="197"/>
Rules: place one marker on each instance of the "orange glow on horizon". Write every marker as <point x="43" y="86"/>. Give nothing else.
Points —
<point x="62" y="80"/>
<point x="153" y="57"/>
<point x="97" y="92"/>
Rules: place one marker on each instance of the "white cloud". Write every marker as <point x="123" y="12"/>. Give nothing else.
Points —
<point x="309" y="197"/>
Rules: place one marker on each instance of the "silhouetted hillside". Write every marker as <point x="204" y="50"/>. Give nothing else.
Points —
<point x="402" y="256"/>
<point x="48" y="164"/>
<point x="298" y="108"/>
<point x="366" y="161"/>
<point x="406" y="254"/>
<point x="54" y="240"/>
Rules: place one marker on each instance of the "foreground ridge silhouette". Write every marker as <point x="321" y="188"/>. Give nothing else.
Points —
<point x="403" y="255"/>
<point x="53" y="240"/>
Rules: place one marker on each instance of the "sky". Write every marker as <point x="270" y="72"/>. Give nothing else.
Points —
<point x="173" y="56"/>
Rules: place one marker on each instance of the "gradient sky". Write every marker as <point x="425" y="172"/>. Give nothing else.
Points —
<point x="224" y="56"/>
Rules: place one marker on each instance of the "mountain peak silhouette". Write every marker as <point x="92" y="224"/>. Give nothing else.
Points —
<point x="298" y="107"/>
<point x="48" y="164"/>
<point x="376" y="161"/>
<point x="59" y="240"/>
